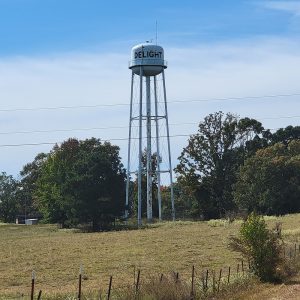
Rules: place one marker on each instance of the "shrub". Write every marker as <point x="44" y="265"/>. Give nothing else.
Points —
<point x="262" y="247"/>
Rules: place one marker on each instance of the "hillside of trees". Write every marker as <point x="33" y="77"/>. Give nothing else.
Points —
<point x="229" y="165"/>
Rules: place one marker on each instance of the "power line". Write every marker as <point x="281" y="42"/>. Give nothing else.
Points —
<point x="121" y="127"/>
<point x="61" y="130"/>
<point x="127" y="104"/>
<point x="84" y="129"/>
<point x="102" y="140"/>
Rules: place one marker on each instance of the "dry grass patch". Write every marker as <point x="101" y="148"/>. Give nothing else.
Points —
<point x="56" y="255"/>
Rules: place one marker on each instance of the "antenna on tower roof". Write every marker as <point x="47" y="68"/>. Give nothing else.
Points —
<point x="156" y="32"/>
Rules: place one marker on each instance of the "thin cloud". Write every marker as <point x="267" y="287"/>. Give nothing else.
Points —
<point x="232" y="69"/>
<point x="292" y="7"/>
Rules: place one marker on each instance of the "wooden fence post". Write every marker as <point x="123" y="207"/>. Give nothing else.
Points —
<point x="206" y="280"/>
<point x="138" y="281"/>
<point x="40" y="295"/>
<point x="32" y="285"/>
<point x="219" y="281"/>
<point x="79" y="283"/>
<point x="237" y="269"/>
<point x="228" y="279"/>
<point x="109" y="288"/>
<point x="161" y="277"/>
<point x="243" y="267"/>
<point x="192" y="288"/>
<point x="214" y="281"/>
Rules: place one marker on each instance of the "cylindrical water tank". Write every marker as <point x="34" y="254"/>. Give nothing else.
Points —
<point x="150" y="57"/>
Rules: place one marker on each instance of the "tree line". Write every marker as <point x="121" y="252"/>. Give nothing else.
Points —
<point x="229" y="165"/>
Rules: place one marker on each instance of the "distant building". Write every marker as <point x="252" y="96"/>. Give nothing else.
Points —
<point x="20" y="219"/>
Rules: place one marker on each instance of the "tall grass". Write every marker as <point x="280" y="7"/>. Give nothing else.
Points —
<point x="56" y="254"/>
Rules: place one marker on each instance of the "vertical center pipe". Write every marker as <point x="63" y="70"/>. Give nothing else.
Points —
<point x="149" y="151"/>
<point x="157" y="149"/>
<point x="129" y="150"/>
<point x="140" y="150"/>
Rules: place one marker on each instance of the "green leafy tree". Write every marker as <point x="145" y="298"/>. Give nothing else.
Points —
<point x="81" y="182"/>
<point x="261" y="247"/>
<point x="209" y="163"/>
<point x="185" y="203"/>
<point x="269" y="182"/>
<point x="9" y="205"/>
<point x="27" y="186"/>
<point x="285" y="135"/>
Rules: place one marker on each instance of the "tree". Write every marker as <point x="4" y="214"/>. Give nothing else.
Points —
<point x="8" y="201"/>
<point x="81" y="182"/>
<point x="285" y="135"/>
<point x="261" y="247"/>
<point x="208" y="165"/>
<point x="269" y="182"/>
<point x="29" y="176"/>
<point x="185" y="204"/>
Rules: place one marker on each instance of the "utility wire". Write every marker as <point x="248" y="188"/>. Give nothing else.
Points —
<point x="102" y="140"/>
<point x="121" y="127"/>
<point x="127" y="104"/>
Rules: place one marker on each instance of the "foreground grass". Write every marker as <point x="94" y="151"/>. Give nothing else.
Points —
<point x="56" y="255"/>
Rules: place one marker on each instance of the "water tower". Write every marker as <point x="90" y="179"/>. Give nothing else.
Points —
<point x="148" y="119"/>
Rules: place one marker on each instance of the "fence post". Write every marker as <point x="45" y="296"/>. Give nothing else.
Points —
<point x="243" y="267"/>
<point x="193" y="276"/>
<point x="206" y="280"/>
<point x="219" y="281"/>
<point x="32" y="285"/>
<point x="109" y="288"/>
<point x="228" y="279"/>
<point x="79" y="283"/>
<point x="161" y="277"/>
<point x="40" y="295"/>
<point x="138" y="281"/>
<point x="214" y="281"/>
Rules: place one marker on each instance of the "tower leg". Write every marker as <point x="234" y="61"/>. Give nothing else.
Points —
<point x="157" y="150"/>
<point x="140" y="151"/>
<point x="149" y="151"/>
<point x="129" y="150"/>
<point x="169" y="148"/>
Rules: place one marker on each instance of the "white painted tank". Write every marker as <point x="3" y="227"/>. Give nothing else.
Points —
<point x="150" y="57"/>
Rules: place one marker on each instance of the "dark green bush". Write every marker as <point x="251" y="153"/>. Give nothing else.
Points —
<point x="262" y="247"/>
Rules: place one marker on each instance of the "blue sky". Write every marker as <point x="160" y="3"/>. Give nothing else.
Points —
<point x="74" y="52"/>
<point x="36" y="27"/>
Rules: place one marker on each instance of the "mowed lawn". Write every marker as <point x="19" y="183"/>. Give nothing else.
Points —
<point x="56" y="255"/>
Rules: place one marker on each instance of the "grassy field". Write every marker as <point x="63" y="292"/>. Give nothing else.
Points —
<point x="56" y="255"/>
